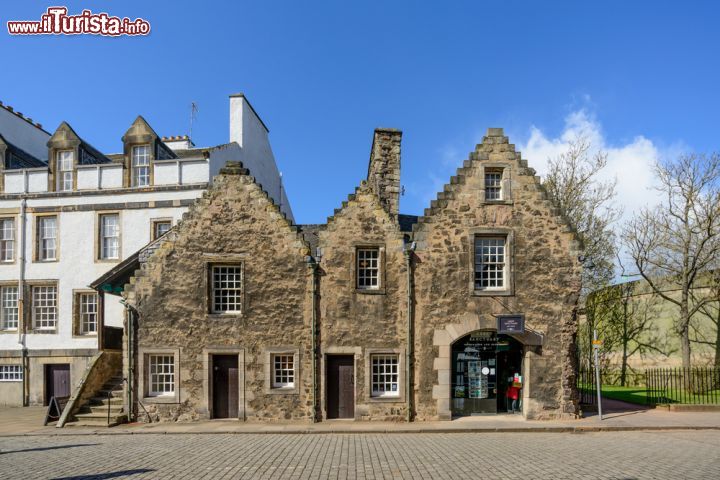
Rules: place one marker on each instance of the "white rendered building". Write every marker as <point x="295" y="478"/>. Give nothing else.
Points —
<point x="69" y="213"/>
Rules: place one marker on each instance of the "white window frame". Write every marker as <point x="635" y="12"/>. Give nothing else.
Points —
<point x="64" y="170"/>
<point x="47" y="245"/>
<point x="11" y="373"/>
<point x="7" y="239"/>
<point x="492" y="258"/>
<point x="216" y="285"/>
<point x="384" y="375"/>
<point x="109" y="237"/>
<point x="493" y="184"/>
<point x="140" y="165"/>
<point x="368" y="268"/>
<point x="87" y="313"/>
<point x="163" y="378"/>
<point x="283" y="370"/>
<point x="8" y="297"/>
<point x="44" y="317"/>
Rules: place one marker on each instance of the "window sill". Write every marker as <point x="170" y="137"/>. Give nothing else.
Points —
<point x="225" y="316"/>
<point x="492" y="293"/>
<point x="370" y="291"/>
<point x="161" y="399"/>
<point x="9" y="330"/>
<point x="43" y="331"/>
<point x="497" y="202"/>
<point x="54" y="260"/>
<point x="397" y="399"/>
<point x="107" y="260"/>
<point x="282" y="391"/>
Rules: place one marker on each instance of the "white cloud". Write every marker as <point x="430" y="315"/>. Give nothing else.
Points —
<point x="630" y="163"/>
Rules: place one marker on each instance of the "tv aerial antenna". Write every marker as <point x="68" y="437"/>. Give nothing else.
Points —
<point x="193" y="115"/>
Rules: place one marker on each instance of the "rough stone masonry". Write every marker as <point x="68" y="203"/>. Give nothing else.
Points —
<point x="378" y="352"/>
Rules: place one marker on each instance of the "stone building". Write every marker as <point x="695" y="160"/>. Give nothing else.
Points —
<point x="69" y="212"/>
<point x="375" y="315"/>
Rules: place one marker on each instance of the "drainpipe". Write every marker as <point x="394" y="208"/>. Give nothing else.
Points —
<point x="130" y="320"/>
<point x="21" y="295"/>
<point x="313" y="264"/>
<point x="410" y="317"/>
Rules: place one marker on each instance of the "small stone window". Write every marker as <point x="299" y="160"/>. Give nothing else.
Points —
<point x="11" y="373"/>
<point x="385" y="376"/>
<point x="368" y="268"/>
<point x="86" y="313"/>
<point x="493" y="184"/>
<point x="64" y="170"/>
<point x="140" y="158"/>
<point x="283" y="370"/>
<point x="490" y="263"/>
<point x="7" y="239"/>
<point x="9" y="308"/>
<point x="44" y="307"/>
<point x="160" y="228"/>
<point x="226" y="288"/>
<point x="161" y="375"/>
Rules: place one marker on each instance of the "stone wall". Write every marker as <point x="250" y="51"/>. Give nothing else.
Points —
<point x="384" y="168"/>
<point x="544" y="271"/>
<point x="358" y="321"/>
<point x="234" y="222"/>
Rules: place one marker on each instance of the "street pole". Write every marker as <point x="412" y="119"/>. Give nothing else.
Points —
<point x="596" y="349"/>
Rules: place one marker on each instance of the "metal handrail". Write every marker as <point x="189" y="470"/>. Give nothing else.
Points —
<point x="139" y="402"/>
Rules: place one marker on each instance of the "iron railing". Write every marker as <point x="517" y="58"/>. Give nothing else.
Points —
<point x="696" y="385"/>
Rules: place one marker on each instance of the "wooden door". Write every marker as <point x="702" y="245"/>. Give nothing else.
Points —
<point x="225" y="386"/>
<point x="57" y="381"/>
<point x="340" y="386"/>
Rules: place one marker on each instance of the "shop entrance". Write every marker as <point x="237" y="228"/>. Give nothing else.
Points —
<point x="486" y="372"/>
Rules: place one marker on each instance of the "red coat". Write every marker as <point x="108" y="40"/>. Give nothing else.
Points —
<point x="513" y="393"/>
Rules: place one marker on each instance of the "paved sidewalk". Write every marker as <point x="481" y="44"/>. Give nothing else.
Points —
<point x="28" y="421"/>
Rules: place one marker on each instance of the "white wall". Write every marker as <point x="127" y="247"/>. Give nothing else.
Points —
<point x="248" y="131"/>
<point x="77" y="265"/>
<point x="24" y="135"/>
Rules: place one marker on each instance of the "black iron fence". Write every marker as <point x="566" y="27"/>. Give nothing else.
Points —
<point x="698" y="385"/>
<point x="586" y="385"/>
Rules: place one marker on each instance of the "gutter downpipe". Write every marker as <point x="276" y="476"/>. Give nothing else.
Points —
<point x="313" y="330"/>
<point x="410" y="317"/>
<point x="21" y="292"/>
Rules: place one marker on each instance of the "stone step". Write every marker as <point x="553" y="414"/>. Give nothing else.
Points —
<point x="96" y="419"/>
<point x="104" y="401"/>
<point x="114" y="409"/>
<point x="109" y="393"/>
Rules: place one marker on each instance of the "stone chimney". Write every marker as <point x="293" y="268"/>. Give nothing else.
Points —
<point x="384" y="169"/>
<point x="180" y="142"/>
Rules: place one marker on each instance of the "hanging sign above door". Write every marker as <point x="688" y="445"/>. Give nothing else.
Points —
<point x="511" y="324"/>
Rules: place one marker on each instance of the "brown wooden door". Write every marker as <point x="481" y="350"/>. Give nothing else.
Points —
<point x="225" y="386"/>
<point x="340" y="387"/>
<point x="57" y="381"/>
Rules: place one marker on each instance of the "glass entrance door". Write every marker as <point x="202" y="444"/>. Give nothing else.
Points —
<point x="482" y="363"/>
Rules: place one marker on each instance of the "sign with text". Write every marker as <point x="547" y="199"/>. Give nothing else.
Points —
<point x="511" y="324"/>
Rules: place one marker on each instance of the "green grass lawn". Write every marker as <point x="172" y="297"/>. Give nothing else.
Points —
<point x="638" y="395"/>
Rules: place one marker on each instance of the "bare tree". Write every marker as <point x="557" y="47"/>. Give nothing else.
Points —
<point x="709" y="311"/>
<point x="625" y="317"/>
<point x="674" y="243"/>
<point x="587" y="202"/>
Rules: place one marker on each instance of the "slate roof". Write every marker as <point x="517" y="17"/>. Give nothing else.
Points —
<point x="406" y="222"/>
<point x="16" y="157"/>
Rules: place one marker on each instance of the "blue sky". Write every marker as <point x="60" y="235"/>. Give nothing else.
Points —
<point x="641" y="76"/>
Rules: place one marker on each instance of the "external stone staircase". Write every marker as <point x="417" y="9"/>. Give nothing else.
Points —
<point x="94" y="413"/>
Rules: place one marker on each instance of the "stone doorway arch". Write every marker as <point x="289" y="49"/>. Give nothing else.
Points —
<point x="443" y="338"/>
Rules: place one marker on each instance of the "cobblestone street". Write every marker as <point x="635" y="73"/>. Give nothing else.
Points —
<point x="678" y="454"/>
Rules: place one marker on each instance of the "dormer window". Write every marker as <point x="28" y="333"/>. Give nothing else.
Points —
<point x="64" y="169"/>
<point x="141" y="166"/>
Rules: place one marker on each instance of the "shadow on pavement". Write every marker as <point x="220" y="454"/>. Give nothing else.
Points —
<point x="39" y="449"/>
<point x="101" y="476"/>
